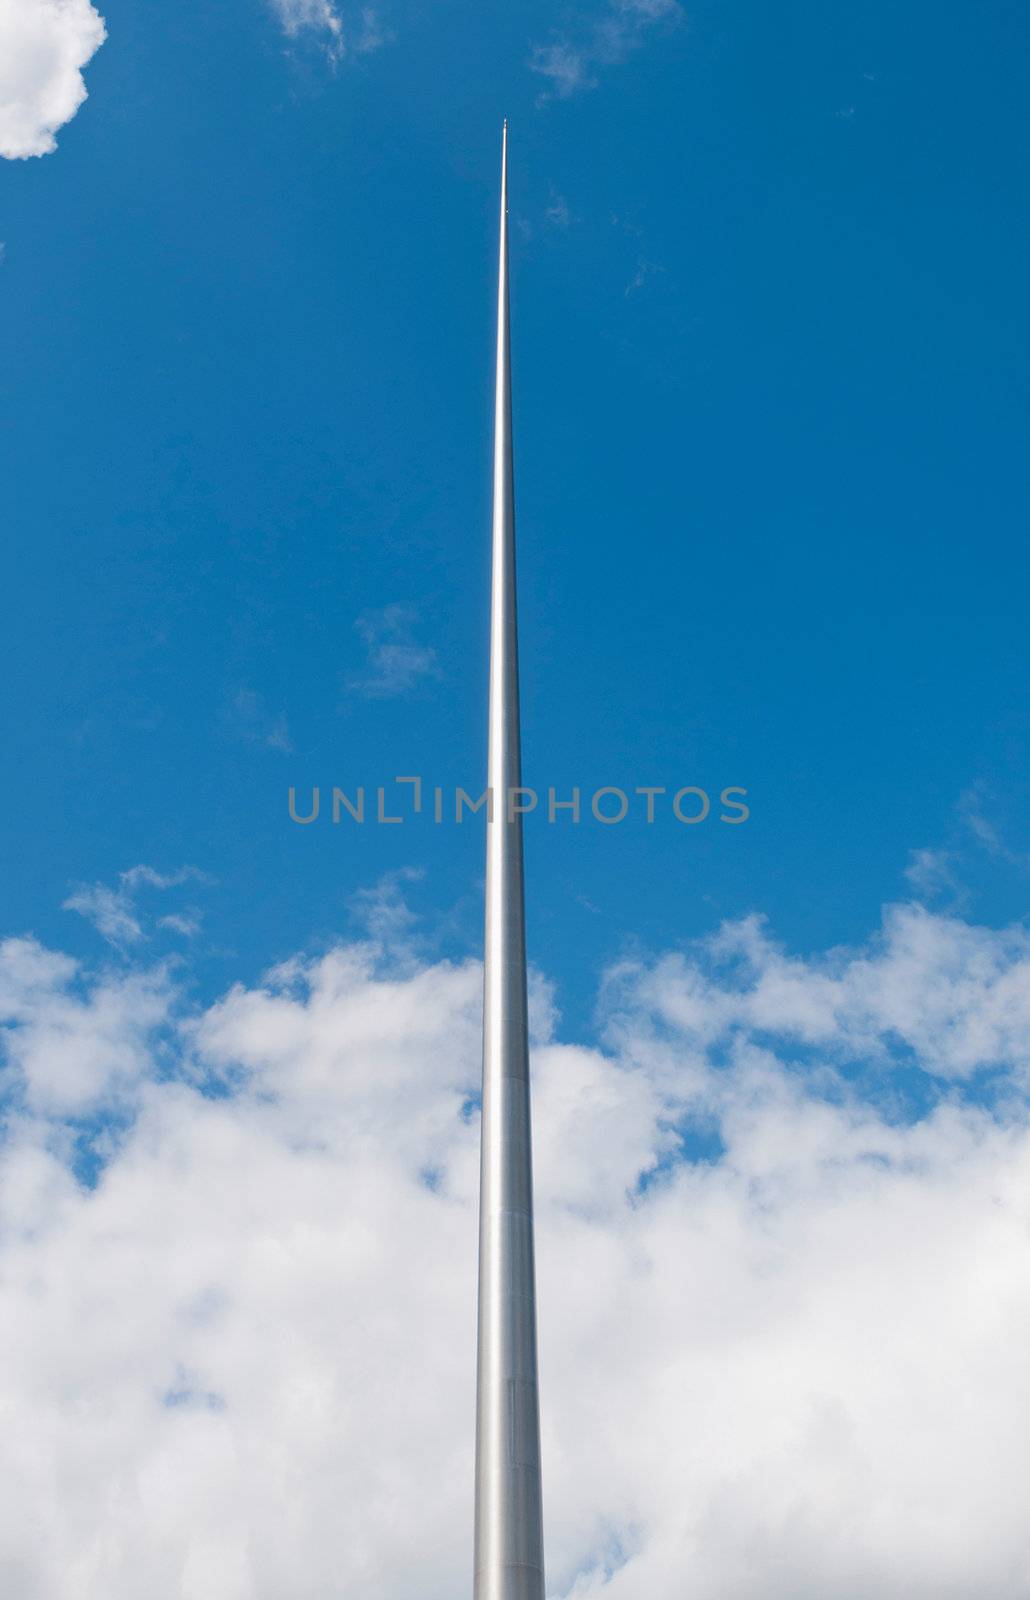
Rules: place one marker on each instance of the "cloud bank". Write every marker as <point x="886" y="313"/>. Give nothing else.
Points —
<point x="784" y="1255"/>
<point x="44" y="44"/>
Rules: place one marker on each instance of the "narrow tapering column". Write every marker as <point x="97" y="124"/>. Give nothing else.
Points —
<point x="509" y="1555"/>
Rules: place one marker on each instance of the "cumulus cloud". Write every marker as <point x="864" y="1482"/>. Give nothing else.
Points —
<point x="570" y="63"/>
<point x="936" y="992"/>
<point x="70" y="1048"/>
<point x="44" y="44"/>
<point x="782" y="1320"/>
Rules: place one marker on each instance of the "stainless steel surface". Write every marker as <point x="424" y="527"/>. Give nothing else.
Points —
<point x="509" y="1555"/>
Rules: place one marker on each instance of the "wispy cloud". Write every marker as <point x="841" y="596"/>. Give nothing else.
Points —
<point x="564" y="65"/>
<point x="178" y="922"/>
<point x="570" y="62"/>
<point x="312" y="16"/>
<point x="978" y="809"/>
<point x="558" y="213"/>
<point x="383" y="911"/>
<point x="354" y="34"/>
<point x="115" y="914"/>
<point x="978" y="835"/>
<point x="251" y="719"/>
<point x="109" y="910"/>
<point x="932" y="875"/>
<point x="396" y="661"/>
<point x="44" y="45"/>
<point x="644" y="267"/>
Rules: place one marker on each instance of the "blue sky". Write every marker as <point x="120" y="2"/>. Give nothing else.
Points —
<point x="770" y="325"/>
<point x="769" y="271"/>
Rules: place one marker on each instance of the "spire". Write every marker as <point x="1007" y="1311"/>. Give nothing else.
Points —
<point x="509" y="1559"/>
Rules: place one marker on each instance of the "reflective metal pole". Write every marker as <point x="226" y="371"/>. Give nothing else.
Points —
<point x="509" y="1556"/>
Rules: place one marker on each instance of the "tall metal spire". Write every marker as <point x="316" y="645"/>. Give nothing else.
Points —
<point x="509" y="1558"/>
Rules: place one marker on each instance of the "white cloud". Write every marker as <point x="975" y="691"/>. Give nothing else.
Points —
<point x="320" y="16"/>
<point x="384" y="914"/>
<point x="396" y="662"/>
<point x="109" y="910"/>
<point x="952" y="998"/>
<point x="70" y="1051"/>
<point x="324" y="19"/>
<point x="114" y="912"/>
<point x="188" y="924"/>
<point x="564" y="65"/>
<point x="44" y="44"/>
<point x="790" y="1368"/>
<point x="620" y="28"/>
<point x="931" y="874"/>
